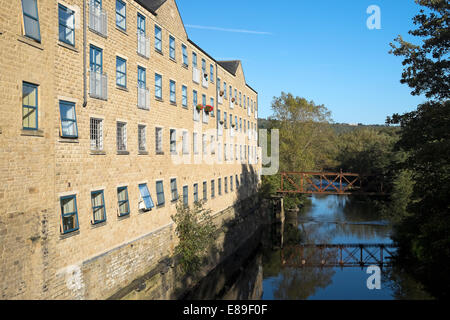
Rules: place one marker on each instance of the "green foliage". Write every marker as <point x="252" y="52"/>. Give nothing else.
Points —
<point x="427" y="65"/>
<point x="305" y="135"/>
<point x="196" y="232"/>
<point x="423" y="234"/>
<point x="366" y="151"/>
<point x="400" y="197"/>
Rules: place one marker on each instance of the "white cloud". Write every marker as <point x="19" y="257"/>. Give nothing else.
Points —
<point x="227" y="30"/>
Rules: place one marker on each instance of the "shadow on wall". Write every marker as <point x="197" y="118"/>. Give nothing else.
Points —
<point x="238" y="225"/>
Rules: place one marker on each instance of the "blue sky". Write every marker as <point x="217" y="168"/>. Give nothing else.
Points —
<point x="319" y="50"/>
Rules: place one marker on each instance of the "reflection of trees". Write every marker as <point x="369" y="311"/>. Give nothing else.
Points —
<point x="341" y="216"/>
<point x="403" y="286"/>
<point x="299" y="284"/>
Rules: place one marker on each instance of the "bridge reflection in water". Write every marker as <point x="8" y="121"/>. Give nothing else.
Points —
<point x="337" y="255"/>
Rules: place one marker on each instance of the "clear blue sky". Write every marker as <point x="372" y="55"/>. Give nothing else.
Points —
<point x="319" y="50"/>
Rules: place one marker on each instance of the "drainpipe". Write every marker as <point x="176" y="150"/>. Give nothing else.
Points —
<point x="84" y="57"/>
<point x="217" y="101"/>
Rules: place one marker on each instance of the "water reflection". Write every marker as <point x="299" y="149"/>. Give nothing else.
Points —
<point x="326" y="220"/>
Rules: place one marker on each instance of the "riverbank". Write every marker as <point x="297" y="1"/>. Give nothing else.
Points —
<point x="266" y="272"/>
<point x="236" y="225"/>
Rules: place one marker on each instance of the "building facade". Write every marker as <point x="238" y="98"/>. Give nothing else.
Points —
<point x="105" y="124"/>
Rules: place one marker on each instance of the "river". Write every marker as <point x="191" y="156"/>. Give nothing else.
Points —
<point x="261" y="269"/>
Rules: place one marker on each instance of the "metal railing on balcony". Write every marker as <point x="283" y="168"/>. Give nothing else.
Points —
<point x="143" y="45"/>
<point x="98" y="85"/>
<point x="196" y="114"/>
<point x="205" y="82"/>
<point x="220" y="99"/>
<point x="98" y="20"/>
<point x="143" y="98"/>
<point x="195" y="75"/>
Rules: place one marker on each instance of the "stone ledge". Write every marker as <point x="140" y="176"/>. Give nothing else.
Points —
<point x="30" y="42"/>
<point x="68" y="46"/>
<point x="98" y="152"/>
<point x="32" y="133"/>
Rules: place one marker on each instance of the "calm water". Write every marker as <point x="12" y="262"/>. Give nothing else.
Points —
<point x="327" y="220"/>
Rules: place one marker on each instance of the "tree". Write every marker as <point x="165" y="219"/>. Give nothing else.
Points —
<point x="423" y="233"/>
<point x="196" y="232"/>
<point x="305" y="134"/>
<point x="306" y="140"/>
<point x="427" y="66"/>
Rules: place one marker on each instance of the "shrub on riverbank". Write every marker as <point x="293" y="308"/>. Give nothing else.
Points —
<point x="196" y="232"/>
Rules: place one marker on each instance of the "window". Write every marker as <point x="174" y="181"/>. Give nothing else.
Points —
<point x="240" y="124"/>
<point x="185" y="55"/>
<point x="240" y="99"/>
<point x="66" y="19"/>
<point x="204" y="147"/>
<point x="69" y="214"/>
<point x="237" y="182"/>
<point x="158" y="86"/>
<point x="231" y="183"/>
<point x="211" y="101"/>
<point x="141" y="24"/>
<point x="142" y="81"/>
<point x="142" y="138"/>
<point x="185" y="143"/>
<point x="219" y="183"/>
<point x="204" y="68"/>
<point x="69" y="128"/>
<point x="98" y="206"/>
<point x="121" y="72"/>
<point x="158" y="38"/>
<point x="211" y="73"/>
<point x="160" y="193"/>
<point x="29" y="106"/>
<point x="31" y="19"/>
<point x="96" y="56"/>
<point x="226" y="184"/>
<point x="174" y="189"/>
<point x="213" y="189"/>
<point x="205" y="191"/>
<point x="244" y="102"/>
<point x="194" y="60"/>
<point x="173" y="141"/>
<point x="225" y="89"/>
<point x="218" y="85"/>
<point x="96" y="133"/>
<point x="186" y="196"/>
<point x="121" y="136"/>
<point x="196" y="192"/>
<point x="145" y="195"/>
<point x="121" y="15"/>
<point x="213" y="151"/>
<point x="173" y="94"/>
<point x="158" y="140"/>
<point x="225" y="117"/>
<point x="184" y="102"/>
<point x="172" y="47"/>
<point x="124" y="205"/>
<point x="195" y="142"/>
<point x="203" y="99"/>
<point x="194" y="98"/>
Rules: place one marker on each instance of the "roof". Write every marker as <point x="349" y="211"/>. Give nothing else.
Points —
<point x="230" y="66"/>
<point x="151" y="5"/>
